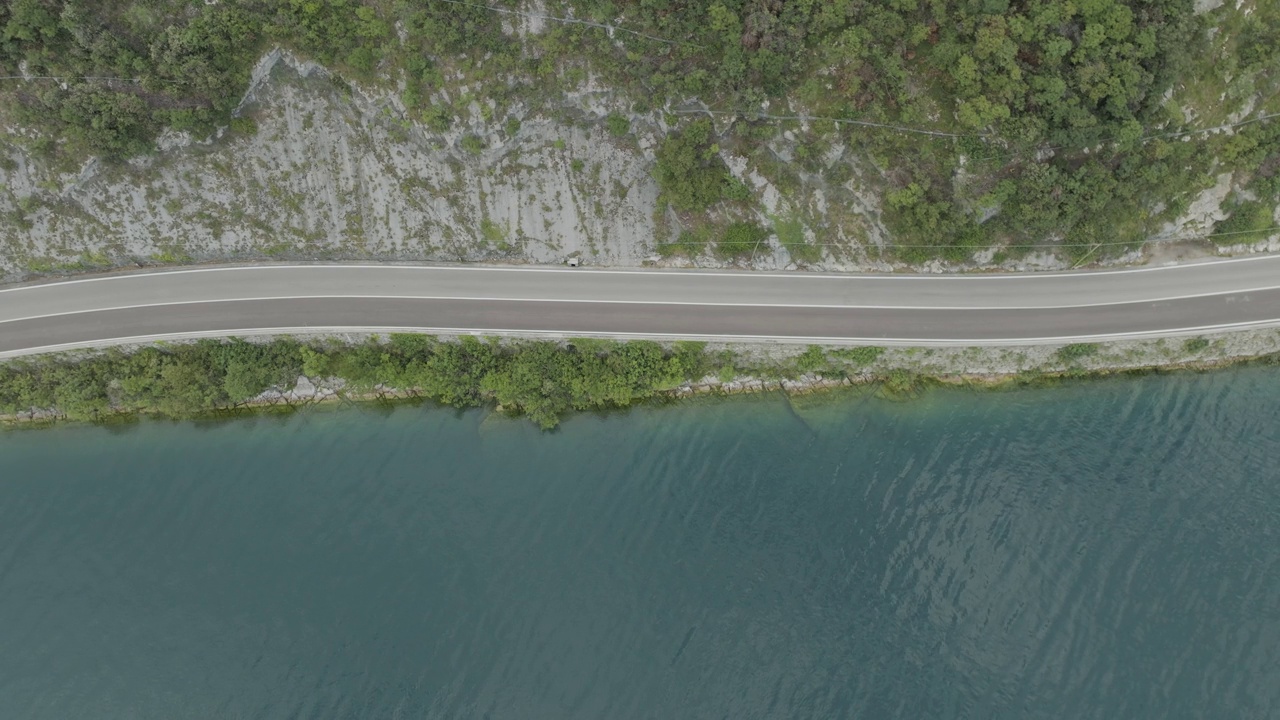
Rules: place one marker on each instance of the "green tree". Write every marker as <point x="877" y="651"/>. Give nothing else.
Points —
<point x="689" y="170"/>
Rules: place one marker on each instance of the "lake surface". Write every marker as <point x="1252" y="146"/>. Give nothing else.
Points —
<point x="1104" y="550"/>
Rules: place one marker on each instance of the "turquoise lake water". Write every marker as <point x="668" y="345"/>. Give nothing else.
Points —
<point x="1103" y="550"/>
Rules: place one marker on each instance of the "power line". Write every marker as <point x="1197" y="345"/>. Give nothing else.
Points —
<point x="573" y="21"/>
<point x="752" y="115"/>
<point x="997" y="154"/>
<point x="69" y="77"/>
<point x="1228" y="126"/>
<point x="841" y="121"/>
<point x="1045" y="245"/>
<point x="811" y="118"/>
<point x="756" y="115"/>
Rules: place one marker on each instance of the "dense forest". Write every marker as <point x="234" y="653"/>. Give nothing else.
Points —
<point x="987" y="123"/>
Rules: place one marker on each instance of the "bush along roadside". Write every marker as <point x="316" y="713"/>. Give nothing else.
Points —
<point x="542" y="380"/>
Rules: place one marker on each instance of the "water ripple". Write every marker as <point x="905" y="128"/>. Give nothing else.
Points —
<point x="1106" y="547"/>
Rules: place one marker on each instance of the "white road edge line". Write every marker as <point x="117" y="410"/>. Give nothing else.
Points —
<point x="785" y="339"/>
<point x="676" y="273"/>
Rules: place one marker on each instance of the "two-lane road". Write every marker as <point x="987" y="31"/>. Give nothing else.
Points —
<point x="795" y="307"/>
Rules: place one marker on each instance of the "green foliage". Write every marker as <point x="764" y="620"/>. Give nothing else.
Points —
<point x="437" y="117"/>
<point x="543" y="380"/>
<point x="692" y="357"/>
<point x="473" y="144"/>
<point x="901" y="384"/>
<point x="790" y="234"/>
<point x="174" y="382"/>
<point x="862" y="355"/>
<point x="115" y="124"/>
<point x="690" y="244"/>
<point x="1076" y="351"/>
<point x="244" y="125"/>
<point x="689" y="170"/>
<point x="1251" y="221"/>
<point x="493" y="233"/>
<point x="1195" y="344"/>
<point x="735" y="190"/>
<point x="813" y="359"/>
<point x="741" y="239"/>
<point x="927" y="226"/>
<point x="191" y="66"/>
<point x="1087" y="79"/>
<point x="618" y="125"/>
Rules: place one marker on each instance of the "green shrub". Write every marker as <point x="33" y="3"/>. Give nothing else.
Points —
<point x="736" y="190"/>
<point x="1249" y="222"/>
<point x="362" y="59"/>
<point x="1195" y="344"/>
<point x="790" y="234"/>
<point x="473" y="144"/>
<point x="1076" y="351"/>
<point x="543" y="380"/>
<point x="901" y="384"/>
<point x="813" y="359"/>
<point x="863" y="355"/>
<point x="438" y="118"/>
<point x="244" y="125"/>
<point x="928" y="226"/>
<point x="689" y="170"/>
<point x="692" y="357"/>
<point x="618" y="125"/>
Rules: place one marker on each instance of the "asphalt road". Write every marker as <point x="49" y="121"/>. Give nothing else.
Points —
<point x="797" y="307"/>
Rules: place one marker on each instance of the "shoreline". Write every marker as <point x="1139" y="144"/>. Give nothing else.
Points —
<point x="731" y="369"/>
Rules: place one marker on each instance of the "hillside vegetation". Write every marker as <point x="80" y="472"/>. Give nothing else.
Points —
<point x="1002" y="126"/>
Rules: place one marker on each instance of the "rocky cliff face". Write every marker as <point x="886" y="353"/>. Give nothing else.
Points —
<point x="333" y="172"/>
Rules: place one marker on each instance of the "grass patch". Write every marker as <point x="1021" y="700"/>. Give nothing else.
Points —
<point x="863" y="355"/>
<point x="741" y="239"/>
<point x="813" y="359"/>
<point x="493" y="233"/>
<point x="1076" y="351"/>
<point x="690" y="244"/>
<point x="790" y="234"/>
<point x="617" y="125"/>
<point x="1195" y="344"/>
